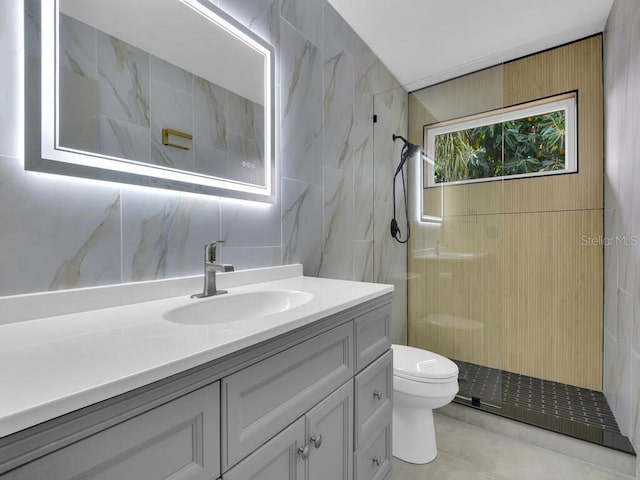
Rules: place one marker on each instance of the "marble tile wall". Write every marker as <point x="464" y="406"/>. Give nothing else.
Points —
<point x="329" y="214"/>
<point x="622" y="217"/>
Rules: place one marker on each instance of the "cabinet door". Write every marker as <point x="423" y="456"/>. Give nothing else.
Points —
<point x="330" y="436"/>
<point x="178" y="440"/>
<point x="278" y="459"/>
<point x="260" y="400"/>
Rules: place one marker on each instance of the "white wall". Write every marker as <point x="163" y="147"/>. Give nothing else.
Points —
<point x="622" y="217"/>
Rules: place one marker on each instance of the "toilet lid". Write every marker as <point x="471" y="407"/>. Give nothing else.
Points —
<point x="421" y="365"/>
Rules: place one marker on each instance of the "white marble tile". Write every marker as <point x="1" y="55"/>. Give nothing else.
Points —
<point x="210" y="161"/>
<point x="78" y="121"/>
<point x="337" y="30"/>
<point x="245" y="118"/>
<point x="301" y="107"/>
<point x="57" y="233"/>
<point x="337" y="257"/>
<point x="338" y="72"/>
<point x="78" y="47"/>
<point x="621" y="75"/>
<point x="633" y="99"/>
<point x="210" y="111"/>
<point x="243" y="258"/>
<point x="390" y="264"/>
<point x="391" y="109"/>
<point x="164" y="234"/>
<point x="170" y="75"/>
<point x="32" y="22"/>
<point x="387" y="252"/>
<point x="306" y="16"/>
<point x="124" y="140"/>
<point x="635" y="400"/>
<point x="383" y="80"/>
<point x="363" y="174"/>
<point x="11" y="80"/>
<point x="302" y="225"/>
<point x="245" y="161"/>
<point x="261" y="16"/>
<point x="635" y="327"/>
<point x="250" y="224"/>
<point x="363" y="260"/>
<point x="617" y="377"/>
<point x="171" y="108"/>
<point x="611" y="273"/>
<point x="123" y="75"/>
<point x="365" y="65"/>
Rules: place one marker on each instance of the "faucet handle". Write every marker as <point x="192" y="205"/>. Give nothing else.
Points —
<point x="210" y="251"/>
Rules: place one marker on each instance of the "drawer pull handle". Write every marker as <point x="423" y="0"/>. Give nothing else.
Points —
<point x="304" y="452"/>
<point x="376" y="461"/>
<point x="316" y="440"/>
<point x="377" y="394"/>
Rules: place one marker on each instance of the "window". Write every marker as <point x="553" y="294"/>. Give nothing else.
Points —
<point x="535" y="139"/>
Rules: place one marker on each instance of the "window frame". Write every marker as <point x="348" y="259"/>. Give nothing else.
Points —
<point x="566" y="102"/>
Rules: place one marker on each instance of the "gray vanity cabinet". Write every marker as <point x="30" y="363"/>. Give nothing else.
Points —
<point x="259" y="401"/>
<point x="311" y="404"/>
<point x="179" y="440"/>
<point x="277" y="459"/>
<point x="317" y="446"/>
<point x="330" y="436"/>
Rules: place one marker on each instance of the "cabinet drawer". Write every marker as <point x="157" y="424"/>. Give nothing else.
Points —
<point x="262" y="399"/>
<point x="374" y="394"/>
<point x="178" y="440"/>
<point x="374" y="461"/>
<point x="372" y="336"/>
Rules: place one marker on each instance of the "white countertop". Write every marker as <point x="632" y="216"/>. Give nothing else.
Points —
<point x="54" y="365"/>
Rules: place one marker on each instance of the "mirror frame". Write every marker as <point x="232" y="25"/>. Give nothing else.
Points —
<point x="44" y="154"/>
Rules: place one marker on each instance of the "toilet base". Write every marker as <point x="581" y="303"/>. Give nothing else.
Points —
<point x="414" y="436"/>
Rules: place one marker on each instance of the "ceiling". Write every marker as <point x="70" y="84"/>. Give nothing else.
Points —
<point x="423" y="42"/>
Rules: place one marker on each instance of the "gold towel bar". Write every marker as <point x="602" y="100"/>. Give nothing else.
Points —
<point x="168" y="131"/>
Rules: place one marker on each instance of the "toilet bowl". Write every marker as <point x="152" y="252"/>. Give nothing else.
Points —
<point x="422" y="381"/>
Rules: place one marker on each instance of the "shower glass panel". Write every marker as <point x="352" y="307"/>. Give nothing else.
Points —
<point x="455" y="254"/>
<point x="389" y="257"/>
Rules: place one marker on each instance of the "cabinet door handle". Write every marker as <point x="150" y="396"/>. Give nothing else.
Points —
<point x="304" y="452"/>
<point x="377" y="394"/>
<point x="316" y="440"/>
<point x="376" y="461"/>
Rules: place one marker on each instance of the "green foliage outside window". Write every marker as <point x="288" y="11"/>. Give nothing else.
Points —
<point x="520" y="146"/>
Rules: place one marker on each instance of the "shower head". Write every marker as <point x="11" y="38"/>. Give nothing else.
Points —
<point x="408" y="150"/>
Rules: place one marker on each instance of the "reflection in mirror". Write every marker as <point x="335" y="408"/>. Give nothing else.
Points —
<point x="168" y="93"/>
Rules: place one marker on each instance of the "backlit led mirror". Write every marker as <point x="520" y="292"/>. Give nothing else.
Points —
<point x="165" y="93"/>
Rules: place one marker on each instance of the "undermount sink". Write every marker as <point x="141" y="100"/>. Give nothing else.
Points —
<point x="229" y="308"/>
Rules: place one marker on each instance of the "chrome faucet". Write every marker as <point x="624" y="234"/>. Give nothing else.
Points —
<point x="210" y="269"/>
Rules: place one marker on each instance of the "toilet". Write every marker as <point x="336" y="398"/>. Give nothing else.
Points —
<point x="422" y="381"/>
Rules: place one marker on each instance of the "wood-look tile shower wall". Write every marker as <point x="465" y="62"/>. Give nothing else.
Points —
<point x="530" y="301"/>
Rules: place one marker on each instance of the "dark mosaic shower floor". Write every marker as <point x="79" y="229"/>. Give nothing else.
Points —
<point x="574" y="411"/>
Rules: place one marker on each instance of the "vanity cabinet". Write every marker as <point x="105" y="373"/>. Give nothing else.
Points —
<point x="311" y="404"/>
<point x="179" y="440"/>
<point x="317" y="446"/>
<point x="259" y="401"/>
